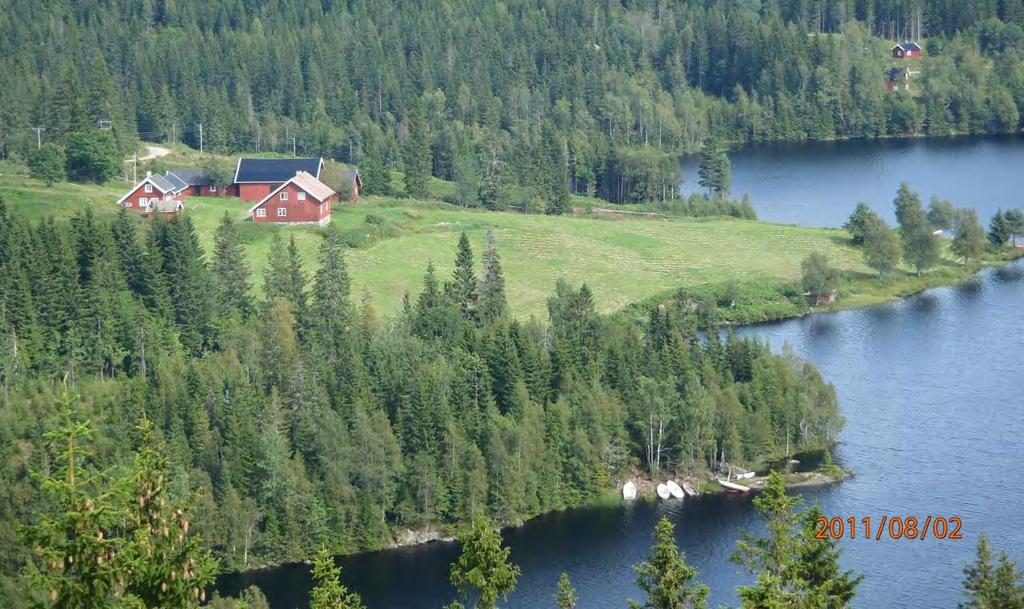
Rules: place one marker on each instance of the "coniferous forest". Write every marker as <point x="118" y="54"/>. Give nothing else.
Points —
<point x="304" y="420"/>
<point x="597" y="98"/>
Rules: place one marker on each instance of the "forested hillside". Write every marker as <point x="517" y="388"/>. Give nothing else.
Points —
<point x="307" y="420"/>
<point x="585" y="96"/>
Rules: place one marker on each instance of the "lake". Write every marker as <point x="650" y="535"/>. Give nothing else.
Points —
<point x="932" y="391"/>
<point x="819" y="183"/>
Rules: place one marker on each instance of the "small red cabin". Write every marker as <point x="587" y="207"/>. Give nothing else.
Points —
<point x="906" y="49"/>
<point x="301" y="200"/>
<point x="153" y="189"/>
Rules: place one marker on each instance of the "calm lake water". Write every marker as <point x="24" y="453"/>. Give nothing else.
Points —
<point x="933" y="393"/>
<point x="819" y="183"/>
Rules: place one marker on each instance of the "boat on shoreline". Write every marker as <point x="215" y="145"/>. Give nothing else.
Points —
<point x="732" y="487"/>
<point x="690" y="490"/>
<point x="662" y="490"/>
<point x="675" y="490"/>
<point x="629" y="491"/>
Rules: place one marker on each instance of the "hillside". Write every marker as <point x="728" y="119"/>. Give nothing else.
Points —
<point x="623" y="260"/>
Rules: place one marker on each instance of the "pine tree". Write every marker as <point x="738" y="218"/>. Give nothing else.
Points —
<point x="416" y="155"/>
<point x="855" y="225"/>
<point x="493" y="305"/>
<point x="484" y="566"/>
<point x="666" y="578"/>
<point x="329" y="593"/>
<point x="330" y="310"/>
<point x="999" y="229"/>
<point x="231" y="271"/>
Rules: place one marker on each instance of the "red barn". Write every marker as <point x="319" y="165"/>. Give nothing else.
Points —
<point x="256" y="178"/>
<point x="195" y="182"/>
<point x="301" y="200"/>
<point x="151" y="190"/>
<point x="906" y="49"/>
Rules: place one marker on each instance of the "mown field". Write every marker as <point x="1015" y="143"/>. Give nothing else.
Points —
<point x="623" y="260"/>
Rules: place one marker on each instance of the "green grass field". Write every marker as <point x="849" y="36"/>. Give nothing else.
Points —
<point x="623" y="260"/>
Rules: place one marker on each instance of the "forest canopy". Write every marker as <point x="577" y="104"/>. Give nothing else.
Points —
<point x="596" y="98"/>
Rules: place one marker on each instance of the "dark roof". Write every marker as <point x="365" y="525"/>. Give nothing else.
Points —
<point x="178" y="183"/>
<point x="910" y="46"/>
<point x="896" y="73"/>
<point x="192" y="177"/>
<point x="275" y="170"/>
<point x="162" y="183"/>
<point x="351" y="175"/>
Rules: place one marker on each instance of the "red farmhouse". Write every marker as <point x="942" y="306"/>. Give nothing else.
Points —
<point x="194" y="182"/>
<point x="153" y="190"/>
<point x="301" y="200"/>
<point x="906" y="49"/>
<point x="256" y="178"/>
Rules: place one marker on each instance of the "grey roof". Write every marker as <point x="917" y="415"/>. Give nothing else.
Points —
<point x="179" y="184"/>
<point x="910" y="46"/>
<point x="351" y="175"/>
<point x="165" y="206"/>
<point x="162" y="183"/>
<point x="275" y="170"/>
<point x="192" y="177"/>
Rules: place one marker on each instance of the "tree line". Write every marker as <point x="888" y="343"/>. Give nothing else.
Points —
<point x="294" y="415"/>
<point x="521" y="103"/>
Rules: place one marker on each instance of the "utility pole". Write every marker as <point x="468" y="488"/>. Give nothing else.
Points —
<point x="173" y="132"/>
<point x="39" y="136"/>
<point x="293" y="145"/>
<point x="135" y="167"/>
<point x="257" y="140"/>
<point x="200" y="139"/>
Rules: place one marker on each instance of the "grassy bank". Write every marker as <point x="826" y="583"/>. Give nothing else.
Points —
<point x="750" y="270"/>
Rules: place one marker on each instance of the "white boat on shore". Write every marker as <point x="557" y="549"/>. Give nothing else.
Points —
<point x="663" y="492"/>
<point x="745" y="476"/>
<point x="690" y="490"/>
<point x="629" y="491"/>
<point x="675" y="490"/>
<point x="732" y="487"/>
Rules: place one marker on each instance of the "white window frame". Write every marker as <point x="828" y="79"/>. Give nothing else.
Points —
<point x="261" y="212"/>
<point x="148" y="188"/>
<point x="213" y="188"/>
<point x="282" y="212"/>
<point x="142" y="201"/>
<point x="283" y="196"/>
<point x="301" y="196"/>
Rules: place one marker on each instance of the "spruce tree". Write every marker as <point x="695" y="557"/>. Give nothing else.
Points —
<point x="330" y="308"/>
<point x="48" y="164"/>
<point x="493" y="305"/>
<point x="484" y="566"/>
<point x="992" y="586"/>
<point x="463" y="287"/>
<point x="999" y="229"/>
<point x="374" y="173"/>
<point x="329" y="593"/>
<point x="715" y="170"/>
<point x="666" y="578"/>
<point x="416" y="155"/>
<point x="231" y="271"/>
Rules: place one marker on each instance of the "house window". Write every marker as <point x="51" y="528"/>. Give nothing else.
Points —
<point x="142" y="201"/>
<point x="149" y="188"/>
<point x="261" y="213"/>
<point x="284" y="196"/>
<point x="301" y="196"/>
<point x="282" y="212"/>
<point x="213" y="188"/>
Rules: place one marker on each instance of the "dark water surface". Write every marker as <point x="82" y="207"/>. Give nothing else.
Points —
<point x="819" y="183"/>
<point x="933" y="393"/>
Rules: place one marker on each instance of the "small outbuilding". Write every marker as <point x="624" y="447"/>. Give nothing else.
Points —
<point x="195" y="182"/>
<point x="906" y="49"/>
